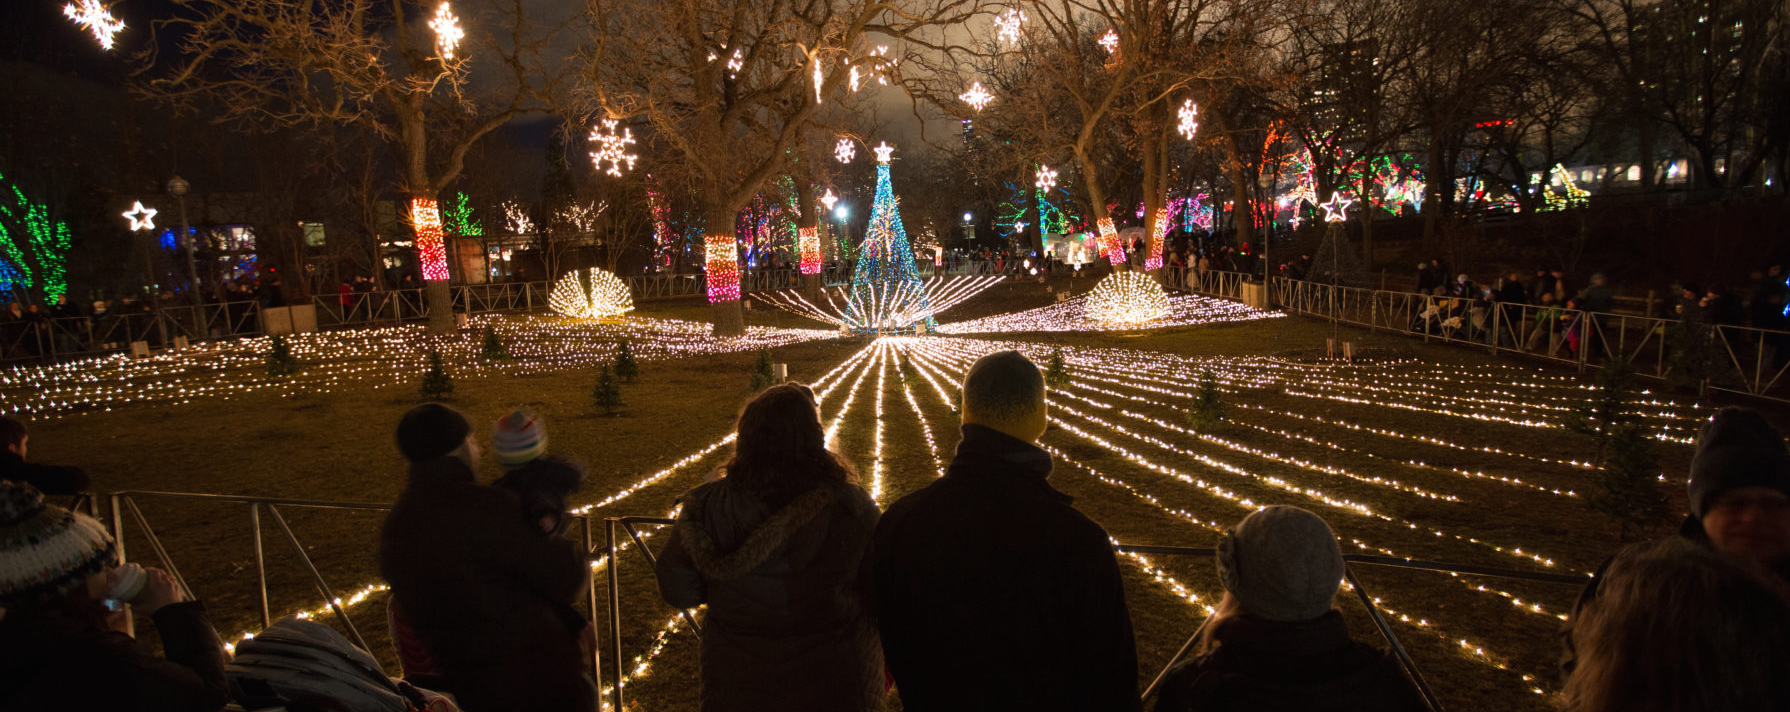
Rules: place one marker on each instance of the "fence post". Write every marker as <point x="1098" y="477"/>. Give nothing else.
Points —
<point x="260" y="561"/>
<point x="590" y="590"/>
<point x="1585" y="338"/>
<point x="130" y="623"/>
<point x="615" y="610"/>
<point x="1497" y="325"/>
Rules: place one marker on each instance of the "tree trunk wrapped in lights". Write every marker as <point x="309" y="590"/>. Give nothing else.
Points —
<point x="431" y="251"/>
<point x="721" y="262"/>
<point x="1110" y="244"/>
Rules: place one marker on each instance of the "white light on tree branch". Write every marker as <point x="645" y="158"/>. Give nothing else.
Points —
<point x="1110" y="41"/>
<point x="93" y="16"/>
<point x="612" y="147"/>
<point x="517" y="218"/>
<point x="141" y="218"/>
<point x="1189" y="114"/>
<point x="1337" y="209"/>
<point x="844" y="151"/>
<point x="883" y="149"/>
<point x="976" y="97"/>
<point x="818" y="80"/>
<point x="1009" y="23"/>
<point x="829" y="199"/>
<point x="1047" y="178"/>
<point x="447" y="31"/>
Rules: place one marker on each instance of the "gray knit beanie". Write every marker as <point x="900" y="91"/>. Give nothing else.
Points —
<point x="1736" y="449"/>
<point x="1282" y="564"/>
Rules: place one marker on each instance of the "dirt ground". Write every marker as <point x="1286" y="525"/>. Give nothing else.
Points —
<point x="1298" y="428"/>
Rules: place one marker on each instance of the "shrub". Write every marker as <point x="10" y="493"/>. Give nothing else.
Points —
<point x="607" y="395"/>
<point x="762" y="376"/>
<point x="625" y="368"/>
<point x="279" y="359"/>
<point x="437" y="384"/>
<point x="494" y="349"/>
<point x="1207" y="410"/>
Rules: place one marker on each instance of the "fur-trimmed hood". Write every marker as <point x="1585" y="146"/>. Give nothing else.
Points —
<point x="757" y="547"/>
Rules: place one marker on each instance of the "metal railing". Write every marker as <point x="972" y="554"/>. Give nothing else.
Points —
<point x="1734" y="359"/>
<point x="1406" y="663"/>
<point x="1223" y="284"/>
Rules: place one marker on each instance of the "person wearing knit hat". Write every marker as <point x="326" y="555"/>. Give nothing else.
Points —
<point x="1275" y="641"/>
<point x="1740" y="489"/>
<point x="519" y="438"/>
<point x="61" y="647"/>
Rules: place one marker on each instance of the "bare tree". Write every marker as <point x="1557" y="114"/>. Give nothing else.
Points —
<point x="269" y="64"/>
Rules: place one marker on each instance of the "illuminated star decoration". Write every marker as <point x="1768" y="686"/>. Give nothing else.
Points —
<point x="883" y="149"/>
<point x="1047" y="178"/>
<point x="976" y="97"/>
<point x="844" y="151"/>
<point x="1110" y="41"/>
<point x="611" y="147"/>
<point x="829" y="199"/>
<point x="93" y="16"/>
<point x="1009" y="23"/>
<point x="1337" y="209"/>
<point x="447" y="31"/>
<point x="147" y="219"/>
<point x="1188" y="113"/>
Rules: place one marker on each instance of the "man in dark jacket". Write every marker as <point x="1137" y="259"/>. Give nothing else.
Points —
<point x="48" y="479"/>
<point x="990" y="590"/>
<point x="481" y="587"/>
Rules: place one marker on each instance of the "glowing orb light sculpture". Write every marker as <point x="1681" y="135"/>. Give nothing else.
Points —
<point x="1126" y="298"/>
<point x="605" y="296"/>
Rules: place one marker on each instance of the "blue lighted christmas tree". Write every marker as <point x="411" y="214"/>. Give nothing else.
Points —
<point x="887" y="294"/>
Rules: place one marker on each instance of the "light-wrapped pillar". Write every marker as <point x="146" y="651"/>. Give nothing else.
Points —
<point x="722" y="263"/>
<point x="1109" y="242"/>
<point x="808" y="241"/>
<point x="431" y="251"/>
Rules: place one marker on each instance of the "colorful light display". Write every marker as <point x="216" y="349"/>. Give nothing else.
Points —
<point x="431" y="250"/>
<point x="721" y="262"/>
<point x="606" y="295"/>
<point x="1126" y="298"/>
<point x="1337" y="209"/>
<point x="1111" y="245"/>
<point x="808" y="242"/>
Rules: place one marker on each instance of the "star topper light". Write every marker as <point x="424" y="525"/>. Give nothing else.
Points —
<point x="845" y="151"/>
<point x="1047" y="178"/>
<point x="883" y="149"/>
<point x="1189" y="113"/>
<point x="976" y="97"/>
<point x="447" y="31"/>
<point x="96" y="19"/>
<point x="141" y="218"/>
<point x="1009" y="23"/>
<point x="1337" y="209"/>
<point x="611" y="147"/>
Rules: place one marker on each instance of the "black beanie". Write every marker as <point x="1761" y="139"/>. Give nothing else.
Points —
<point x="431" y="430"/>
<point x="1736" y="449"/>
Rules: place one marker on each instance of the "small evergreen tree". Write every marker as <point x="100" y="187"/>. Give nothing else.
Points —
<point x="625" y="368"/>
<point x="1207" y="411"/>
<point x="279" y="359"/>
<point x="1628" y="489"/>
<point x="437" y="384"/>
<point x="494" y="348"/>
<point x="1056" y="373"/>
<point x="1610" y="408"/>
<point x="904" y="368"/>
<point x="607" y="395"/>
<point x="762" y="376"/>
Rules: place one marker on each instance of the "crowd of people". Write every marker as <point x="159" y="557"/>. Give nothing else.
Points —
<point x="987" y="589"/>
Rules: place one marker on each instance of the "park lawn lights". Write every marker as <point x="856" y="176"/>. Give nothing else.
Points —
<point x="1127" y="298"/>
<point x="431" y="251"/>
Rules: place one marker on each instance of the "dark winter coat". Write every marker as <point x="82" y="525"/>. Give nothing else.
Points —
<point x="786" y="627"/>
<point x="48" y="479"/>
<point x="1269" y="666"/>
<point x="51" y="659"/>
<point x="994" y="594"/>
<point x="485" y="592"/>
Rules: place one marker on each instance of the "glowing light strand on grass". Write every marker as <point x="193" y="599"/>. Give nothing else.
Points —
<point x="1071" y="315"/>
<point x="612" y="147"/>
<point x="447" y="31"/>
<point x="882" y="380"/>
<point x="976" y="97"/>
<point x="431" y="250"/>
<point x="96" y="19"/>
<point x="903" y="304"/>
<point x="1126" y="298"/>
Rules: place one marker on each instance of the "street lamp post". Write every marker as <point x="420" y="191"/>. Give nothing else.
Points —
<point x="178" y="187"/>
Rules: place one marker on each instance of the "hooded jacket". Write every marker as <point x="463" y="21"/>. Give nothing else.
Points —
<point x="786" y="627"/>
<point x="1270" y="666"/>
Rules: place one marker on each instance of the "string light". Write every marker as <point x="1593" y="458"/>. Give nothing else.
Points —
<point x="612" y="147"/>
<point x="1126" y="298"/>
<point x="1009" y="23"/>
<point x="607" y="296"/>
<point x="141" y="218"/>
<point x="447" y="31"/>
<point x="1189" y="115"/>
<point x="517" y="218"/>
<point x="976" y="97"/>
<point x="93" y="16"/>
<point x="844" y="151"/>
<point x="1071" y="315"/>
<point x="431" y="250"/>
<point x="1575" y="196"/>
<point x="722" y="266"/>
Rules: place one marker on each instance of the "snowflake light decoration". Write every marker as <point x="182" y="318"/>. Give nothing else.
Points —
<point x="611" y="147"/>
<point x="883" y="149"/>
<point x="141" y="218"/>
<point x="1337" y="209"/>
<point x="1126" y="298"/>
<point x="447" y="31"/>
<point x="1110" y="41"/>
<point x="96" y="19"/>
<point x="844" y="151"/>
<point x="829" y="199"/>
<point x="976" y="97"/>
<point x="1009" y="23"/>
<point x="1047" y="178"/>
<point x="1189" y="114"/>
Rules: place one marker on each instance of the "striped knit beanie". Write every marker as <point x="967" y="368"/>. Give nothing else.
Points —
<point x="46" y="551"/>
<point x="520" y="438"/>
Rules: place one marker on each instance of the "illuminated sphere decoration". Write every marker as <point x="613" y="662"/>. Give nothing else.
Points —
<point x="1126" y="298"/>
<point x="606" y="296"/>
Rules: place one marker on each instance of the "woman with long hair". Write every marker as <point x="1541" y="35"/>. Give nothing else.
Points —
<point x="773" y="547"/>
<point x="1677" y="627"/>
